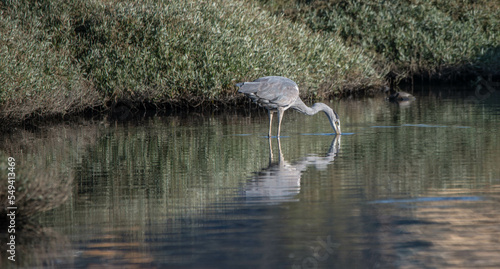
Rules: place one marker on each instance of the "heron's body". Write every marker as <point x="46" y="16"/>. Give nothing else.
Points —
<point x="278" y="94"/>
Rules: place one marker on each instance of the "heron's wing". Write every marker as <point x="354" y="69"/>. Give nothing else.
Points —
<point x="271" y="92"/>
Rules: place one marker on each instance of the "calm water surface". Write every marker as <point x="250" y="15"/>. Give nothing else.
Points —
<point x="410" y="186"/>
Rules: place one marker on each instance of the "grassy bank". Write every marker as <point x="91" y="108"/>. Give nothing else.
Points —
<point x="64" y="57"/>
<point x="437" y="39"/>
<point x="61" y="57"/>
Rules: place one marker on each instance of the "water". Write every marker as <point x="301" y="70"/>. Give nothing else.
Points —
<point x="411" y="186"/>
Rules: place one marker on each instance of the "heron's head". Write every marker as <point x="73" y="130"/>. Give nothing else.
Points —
<point x="336" y="123"/>
<point x="336" y="126"/>
<point x="330" y="113"/>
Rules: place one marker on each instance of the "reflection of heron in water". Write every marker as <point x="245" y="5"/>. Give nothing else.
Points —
<point x="280" y="181"/>
<point x="278" y="94"/>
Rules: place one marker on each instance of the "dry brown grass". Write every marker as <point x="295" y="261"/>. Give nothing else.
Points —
<point x="45" y="104"/>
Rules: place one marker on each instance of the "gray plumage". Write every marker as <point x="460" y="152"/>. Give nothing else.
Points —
<point x="278" y="94"/>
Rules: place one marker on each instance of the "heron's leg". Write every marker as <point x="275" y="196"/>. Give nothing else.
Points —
<point x="270" y="121"/>
<point x="271" y="157"/>
<point x="281" y="111"/>
<point x="281" y="160"/>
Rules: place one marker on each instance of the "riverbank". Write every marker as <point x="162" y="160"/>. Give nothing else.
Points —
<point x="437" y="40"/>
<point x="62" y="58"/>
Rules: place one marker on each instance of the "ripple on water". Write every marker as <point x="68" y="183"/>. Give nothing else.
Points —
<point x="427" y="199"/>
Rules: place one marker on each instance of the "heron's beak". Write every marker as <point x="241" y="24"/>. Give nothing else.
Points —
<point x="337" y="128"/>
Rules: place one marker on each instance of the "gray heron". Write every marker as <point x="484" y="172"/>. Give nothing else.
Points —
<point x="278" y="94"/>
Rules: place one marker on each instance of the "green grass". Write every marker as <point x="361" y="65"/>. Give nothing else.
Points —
<point x="64" y="57"/>
<point x="437" y="39"/>
<point x="38" y="75"/>
<point x="199" y="50"/>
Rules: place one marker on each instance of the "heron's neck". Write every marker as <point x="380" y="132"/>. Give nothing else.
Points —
<point x="302" y="108"/>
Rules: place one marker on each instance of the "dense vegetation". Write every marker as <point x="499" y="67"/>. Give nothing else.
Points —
<point x="437" y="39"/>
<point x="63" y="57"/>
